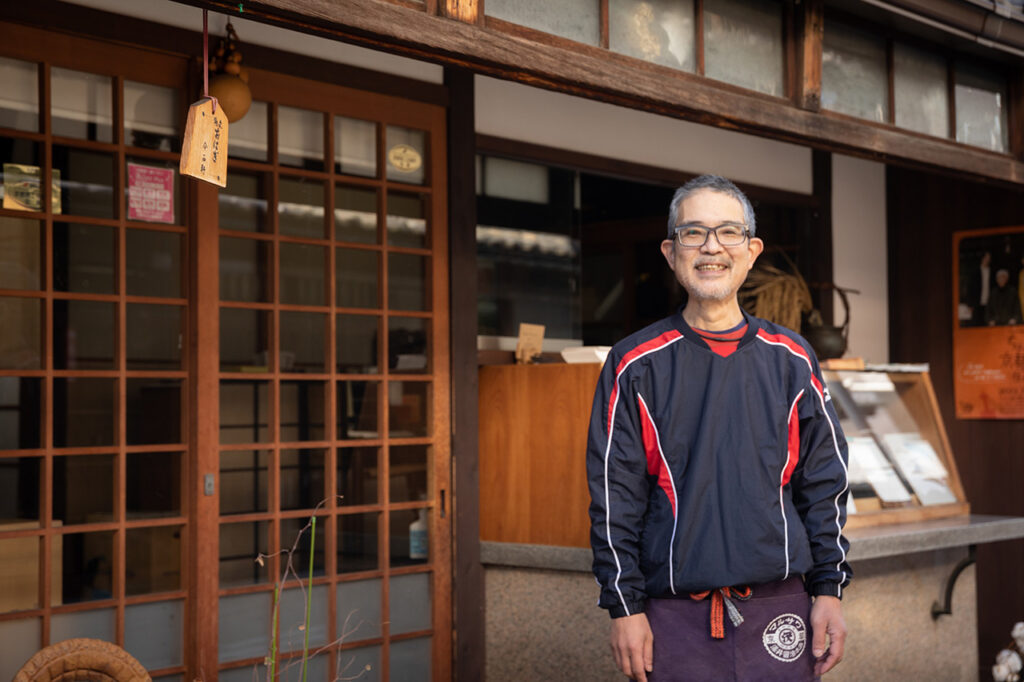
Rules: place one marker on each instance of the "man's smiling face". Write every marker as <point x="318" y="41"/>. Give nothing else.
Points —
<point x="711" y="273"/>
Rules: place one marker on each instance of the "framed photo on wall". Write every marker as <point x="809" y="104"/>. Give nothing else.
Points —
<point x="988" y="323"/>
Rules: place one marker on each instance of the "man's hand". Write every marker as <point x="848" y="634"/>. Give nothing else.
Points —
<point x="827" y="619"/>
<point x="633" y="646"/>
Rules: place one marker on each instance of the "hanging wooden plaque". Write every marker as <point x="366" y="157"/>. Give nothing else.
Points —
<point x="204" y="152"/>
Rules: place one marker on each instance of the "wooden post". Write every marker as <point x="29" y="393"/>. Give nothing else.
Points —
<point x="811" y="22"/>
<point x="463" y="10"/>
<point x="1015" y="113"/>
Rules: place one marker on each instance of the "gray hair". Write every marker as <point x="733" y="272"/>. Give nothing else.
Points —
<point x="715" y="183"/>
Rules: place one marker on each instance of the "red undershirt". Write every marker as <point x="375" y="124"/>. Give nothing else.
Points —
<point x="724" y="342"/>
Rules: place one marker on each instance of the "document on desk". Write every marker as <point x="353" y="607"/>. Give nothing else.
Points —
<point x="869" y="465"/>
<point x="921" y="467"/>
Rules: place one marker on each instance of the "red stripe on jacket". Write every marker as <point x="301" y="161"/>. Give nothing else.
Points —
<point x="797" y="349"/>
<point x="655" y="465"/>
<point x="654" y="344"/>
<point x="793" y="441"/>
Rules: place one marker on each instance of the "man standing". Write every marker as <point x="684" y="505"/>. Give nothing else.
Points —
<point x="717" y="474"/>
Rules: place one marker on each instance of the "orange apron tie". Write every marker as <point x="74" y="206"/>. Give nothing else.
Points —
<point x="721" y="600"/>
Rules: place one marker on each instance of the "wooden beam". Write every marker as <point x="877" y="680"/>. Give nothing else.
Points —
<point x="593" y="73"/>
<point x="811" y="22"/>
<point x="463" y="10"/>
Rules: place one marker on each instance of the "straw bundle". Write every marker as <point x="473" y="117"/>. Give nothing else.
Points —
<point x="777" y="296"/>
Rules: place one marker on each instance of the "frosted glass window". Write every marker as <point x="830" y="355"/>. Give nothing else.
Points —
<point x="150" y="116"/>
<point x="244" y="626"/>
<point x="980" y="108"/>
<point x="578" y="20"/>
<point x="854" y="76"/>
<point x="410" y="603"/>
<point x="358" y="610"/>
<point x="300" y="138"/>
<point x="153" y="633"/>
<point x="248" y="138"/>
<point x="98" y="624"/>
<point x="516" y="180"/>
<point x="292" y="617"/>
<point x="19" y="95"/>
<point x="743" y="44"/>
<point x="361" y="664"/>
<point x="356" y="146"/>
<point x="920" y="82"/>
<point x="20" y="639"/>
<point x="659" y="31"/>
<point x="82" y="105"/>
<point x="410" y="660"/>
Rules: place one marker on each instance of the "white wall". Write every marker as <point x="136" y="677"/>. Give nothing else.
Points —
<point x="520" y="112"/>
<point x="255" y="33"/>
<point x="859" y="253"/>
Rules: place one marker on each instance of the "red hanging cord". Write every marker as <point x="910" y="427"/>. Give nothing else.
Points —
<point x="206" y="64"/>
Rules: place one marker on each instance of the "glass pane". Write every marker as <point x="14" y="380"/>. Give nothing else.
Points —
<point x="406" y="155"/>
<point x="743" y="44"/>
<point x="20" y="186"/>
<point x="356" y="152"/>
<point x="303" y="338"/>
<point x="244" y="340"/>
<point x="300" y="208"/>
<point x="355" y="215"/>
<point x="410" y="660"/>
<point x="357" y="344"/>
<point x="295" y="536"/>
<point x="19" y="583"/>
<point x="20" y="413"/>
<point x="920" y="84"/>
<point x="19" y="635"/>
<point x="19" y="489"/>
<point x="408" y="472"/>
<point x="410" y="603"/>
<point x="84" y="258"/>
<point x="249" y="135"/>
<point x="408" y="408"/>
<point x="302" y="478"/>
<point x="244" y="269"/>
<point x="244" y="626"/>
<point x="83" y="334"/>
<point x="854" y="75"/>
<point x="83" y="489"/>
<point x="357" y="409"/>
<point x="357" y="283"/>
<point x="86" y="182"/>
<point x="151" y="117"/>
<point x="577" y="20"/>
<point x="240" y="544"/>
<point x="410" y="537"/>
<point x="148" y="397"/>
<point x="153" y="485"/>
<point x="243" y="203"/>
<point x="21" y="246"/>
<point x="300" y="138"/>
<point x="154" y="338"/>
<point x="361" y="664"/>
<point x="152" y="194"/>
<point x="19" y="107"/>
<point x="357" y="475"/>
<point x="82" y="105"/>
<point x="292" y="618"/>
<point x="981" y="107"/>
<point x="407" y="221"/>
<point x="407" y="345"/>
<point x="243" y="481"/>
<point x="244" y="411"/>
<point x="21" y="344"/>
<point x="303" y="405"/>
<point x="83" y="412"/>
<point x="152" y="560"/>
<point x="86" y="559"/>
<point x="247" y="673"/>
<point x="357" y="542"/>
<point x="659" y="31"/>
<point x="407" y="282"/>
<point x="358" y="610"/>
<point x="153" y="263"/>
<point x="96" y="624"/>
<point x="153" y="633"/>
<point x="302" y="274"/>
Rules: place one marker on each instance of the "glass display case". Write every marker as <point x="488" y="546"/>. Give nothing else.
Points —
<point x="901" y="468"/>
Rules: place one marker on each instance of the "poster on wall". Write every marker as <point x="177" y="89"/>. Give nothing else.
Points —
<point x="150" y="193"/>
<point x="988" y="323"/>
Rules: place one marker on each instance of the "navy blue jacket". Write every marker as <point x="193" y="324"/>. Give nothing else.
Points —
<point x="708" y="471"/>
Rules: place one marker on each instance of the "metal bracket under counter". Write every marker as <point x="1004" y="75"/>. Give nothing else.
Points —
<point x="876" y="542"/>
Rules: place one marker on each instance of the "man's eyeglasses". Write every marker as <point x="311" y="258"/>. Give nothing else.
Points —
<point x="729" y="234"/>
